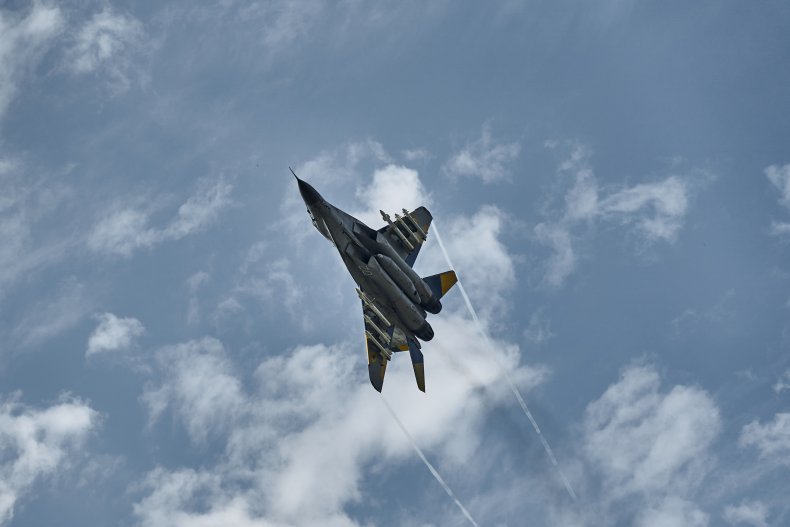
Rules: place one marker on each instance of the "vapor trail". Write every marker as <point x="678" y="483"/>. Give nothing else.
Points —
<point x="428" y="464"/>
<point x="513" y="388"/>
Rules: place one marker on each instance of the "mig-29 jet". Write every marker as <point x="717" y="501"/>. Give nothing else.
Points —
<point x="394" y="297"/>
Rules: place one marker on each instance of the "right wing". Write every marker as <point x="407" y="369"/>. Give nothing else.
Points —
<point x="408" y="238"/>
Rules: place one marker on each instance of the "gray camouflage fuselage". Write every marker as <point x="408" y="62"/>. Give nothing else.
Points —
<point x="364" y="251"/>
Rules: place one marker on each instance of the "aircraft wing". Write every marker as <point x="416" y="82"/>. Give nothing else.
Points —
<point x="407" y="234"/>
<point x="379" y="347"/>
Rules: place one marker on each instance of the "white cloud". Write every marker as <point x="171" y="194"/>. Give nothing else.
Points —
<point x="282" y="437"/>
<point x="23" y="40"/>
<point x="484" y="158"/>
<point x="126" y="230"/>
<point x="105" y="43"/>
<point x="754" y="513"/>
<point x="171" y="502"/>
<point x="667" y="199"/>
<point x="393" y="188"/>
<point x="113" y="334"/>
<point x="656" y="209"/>
<point x="202" y="390"/>
<point x="645" y="441"/>
<point x="780" y="178"/>
<point x="645" y="453"/>
<point x="783" y="383"/>
<point x="772" y="439"/>
<point x="37" y="444"/>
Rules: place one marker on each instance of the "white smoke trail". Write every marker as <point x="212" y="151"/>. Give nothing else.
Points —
<point x="428" y="464"/>
<point x="513" y="388"/>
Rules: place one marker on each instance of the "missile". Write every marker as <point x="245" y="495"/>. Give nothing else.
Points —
<point x="411" y="232"/>
<point x="407" y="214"/>
<point x="384" y="336"/>
<point x="365" y="300"/>
<point x="384" y="351"/>
<point x="405" y="241"/>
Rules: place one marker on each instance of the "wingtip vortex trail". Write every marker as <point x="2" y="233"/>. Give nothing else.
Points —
<point x="428" y="464"/>
<point x="513" y="388"/>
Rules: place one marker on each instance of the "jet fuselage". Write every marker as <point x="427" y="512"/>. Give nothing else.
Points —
<point x="376" y="267"/>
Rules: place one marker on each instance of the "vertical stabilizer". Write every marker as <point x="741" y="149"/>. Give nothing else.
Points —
<point x="418" y="364"/>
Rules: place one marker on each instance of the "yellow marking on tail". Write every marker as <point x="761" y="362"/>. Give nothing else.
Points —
<point x="448" y="280"/>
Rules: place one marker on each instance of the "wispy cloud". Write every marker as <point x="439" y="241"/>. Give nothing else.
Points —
<point x="194" y="284"/>
<point x="123" y="231"/>
<point x="38" y="443"/>
<point x="647" y="441"/>
<point x="771" y="439"/>
<point x="779" y="228"/>
<point x="270" y="282"/>
<point x="23" y="39"/>
<point x="645" y="451"/>
<point x="303" y="404"/>
<point x="106" y="43"/>
<point x="484" y="158"/>
<point x="538" y="330"/>
<point x="113" y="333"/>
<point x="51" y="317"/>
<point x="783" y="383"/>
<point x="779" y="176"/>
<point x="202" y="389"/>
<point x="754" y="513"/>
<point x="416" y="154"/>
<point x="656" y="210"/>
<point x="26" y="203"/>
<point x="717" y="314"/>
<point x="562" y="262"/>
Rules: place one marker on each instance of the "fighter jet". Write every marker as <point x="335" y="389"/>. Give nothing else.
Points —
<point x="395" y="299"/>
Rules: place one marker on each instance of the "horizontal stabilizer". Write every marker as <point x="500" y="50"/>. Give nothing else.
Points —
<point x="441" y="283"/>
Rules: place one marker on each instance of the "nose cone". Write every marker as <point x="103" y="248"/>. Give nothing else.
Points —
<point x="309" y="194"/>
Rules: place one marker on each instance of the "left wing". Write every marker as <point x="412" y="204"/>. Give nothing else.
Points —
<point x="379" y="344"/>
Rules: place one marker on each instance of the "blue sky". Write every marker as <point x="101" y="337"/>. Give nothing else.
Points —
<point x="181" y="348"/>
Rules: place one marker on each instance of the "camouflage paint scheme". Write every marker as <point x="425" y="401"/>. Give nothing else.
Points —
<point x="395" y="300"/>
